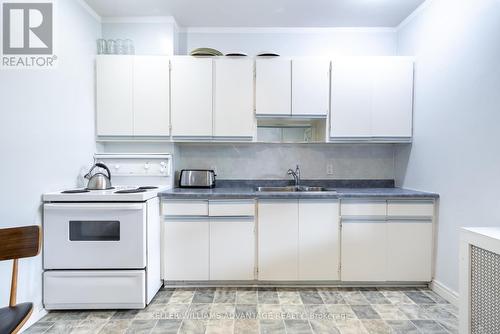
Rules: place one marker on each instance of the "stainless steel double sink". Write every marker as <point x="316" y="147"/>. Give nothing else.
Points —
<point x="290" y="189"/>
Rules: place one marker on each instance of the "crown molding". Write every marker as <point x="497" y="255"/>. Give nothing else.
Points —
<point x="282" y="30"/>
<point x="139" y="19"/>
<point x="89" y="10"/>
<point x="414" y="14"/>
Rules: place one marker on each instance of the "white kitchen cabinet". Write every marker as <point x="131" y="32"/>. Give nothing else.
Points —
<point x="409" y="250"/>
<point x="151" y="96"/>
<point x="133" y="96"/>
<point x="310" y="87"/>
<point x="371" y="98"/>
<point x="273" y="93"/>
<point x="392" y="101"/>
<point x="191" y="97"/>
<point x="114" y="76"/>
<point x="319" y="240"/>
<point x="186" y="249"/>
<point x="351" y="98"/>
<point x="364" y="251"/>
<point x="278" y="240"/>
<point x="233" y="98"/>
<point x="232" y="248"/>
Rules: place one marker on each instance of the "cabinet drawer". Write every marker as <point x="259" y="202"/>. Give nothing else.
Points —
<point x="363" y="208"/>
<point x="185" y="208"/>
<point x="410" y="208"/>
<point x="231" y="208"/>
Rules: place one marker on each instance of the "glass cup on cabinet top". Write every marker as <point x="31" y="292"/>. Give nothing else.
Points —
<point x="111" y="46"/>
<point x="102" y="46"/>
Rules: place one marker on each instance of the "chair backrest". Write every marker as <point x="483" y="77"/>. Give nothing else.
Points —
<point x="19" y="242"/>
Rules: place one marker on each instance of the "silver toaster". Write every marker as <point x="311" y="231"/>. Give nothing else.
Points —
<point x="197" y="178"/>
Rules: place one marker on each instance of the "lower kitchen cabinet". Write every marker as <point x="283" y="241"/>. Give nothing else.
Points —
<point x="186" y="249"/>
<point x="232" y="248"/>
<point x="319" y="243"/>
<point x="409" y="252"/>
<point x="278" y="240"/>
<point x="364" y="250"/>
<point x="298" y="240"/>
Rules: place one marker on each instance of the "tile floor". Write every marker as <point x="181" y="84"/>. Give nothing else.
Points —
<point x="269" y="310"/>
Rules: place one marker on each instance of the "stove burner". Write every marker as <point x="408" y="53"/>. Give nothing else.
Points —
<point x="130" y="191"/>
<point x="148" y="187"/>
<point x="75" y="191"/>
<point x="110" y="188"/>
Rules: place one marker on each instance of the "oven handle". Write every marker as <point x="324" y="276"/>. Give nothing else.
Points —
<point x="100" y="206"/>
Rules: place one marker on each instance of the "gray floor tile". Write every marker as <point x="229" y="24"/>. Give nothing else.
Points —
<point x="220" y="326"/>
<point x="225" y="296"/>
<point x="402" y="327"/>
<point x="190" y="326"/>
<point x="331" y="297"/>
<point x="429" y="327"/>
<point x="88" y="326"/>
<point x="124" y="314"/>
<point x="39" y="327"/>
<point x="397" y="297"/>
<point x="246" y="297"/>
<point x="375" y="297"/>
<point x="167" y="326"/>
<point x="419" y="297"/>
<point x="354" y="298"/>
<point x="376" y="326"/>
<point x="141" y="326"/>
<point x="390" y="312"/>
<point x="163" y="296"/>
<point x="438" y="312"/>
<point x="247" y="326"/>
<point x="115" y="326"/>
<point x="181" y="297"/>
<point x="63" y="327"/>
<point x="174" y="311"/>
<point x="268" y="296"/>
<point x="414" y="312"/>
<point x="272" y="327"/>
<point x="204" y="296"/>
<point x="437" y="298"/>
<point x="365" y="312"/>
<point x="199" y="311"/>
<point x="351" y="326"/>
<point x="100" y="315"/>
<point x="246" y="311"/>
<point x="222" y="311"/>
<point x="290" y="296"/>
<point x="297" y="327"/>
<point x="323" y="327"/>
<point x="450" y="325"/>
<point x="310" y="297"/>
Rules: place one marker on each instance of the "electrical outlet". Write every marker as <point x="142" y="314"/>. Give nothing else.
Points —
<point x="214" y="168"/>
<point x="329" y="168"/>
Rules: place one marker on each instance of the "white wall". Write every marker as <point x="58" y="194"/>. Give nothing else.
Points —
<point x="46" y="134"/>
<point x="292" y="41"/>
<point x="457" y="116"/>
<point x="151" y="36"/>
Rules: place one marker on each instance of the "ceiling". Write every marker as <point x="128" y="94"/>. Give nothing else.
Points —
<point x="265" y="13"/>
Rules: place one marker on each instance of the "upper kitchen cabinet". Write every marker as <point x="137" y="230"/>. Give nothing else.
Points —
<point x="233" y="98"/>
<point x="132" y="96"/>
<point x="191" y="97"/>
<point x="371" y="99"/>
<point x="273" y="81"/>
<point x="115" y="110"/>
<point x="310" y="87"/>
<point x="151" y="96"/>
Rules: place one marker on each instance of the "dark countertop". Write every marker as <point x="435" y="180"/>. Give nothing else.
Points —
<point x="341" y="189"/>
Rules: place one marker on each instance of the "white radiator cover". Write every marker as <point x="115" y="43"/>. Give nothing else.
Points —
<point x="480" y="280"/>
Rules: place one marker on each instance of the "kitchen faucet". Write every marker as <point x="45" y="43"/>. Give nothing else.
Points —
<point x="295" y="174"/>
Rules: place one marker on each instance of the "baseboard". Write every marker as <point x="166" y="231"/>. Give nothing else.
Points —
<point x="444" y="291"/>
<point x="38" y="313"/>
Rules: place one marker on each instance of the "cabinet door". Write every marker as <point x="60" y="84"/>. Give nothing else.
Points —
<point x="351" y="98"/>
<point x="278" y="239"/>
<point x="114" y="95"/>
<point x="186" y="249"/>
<point x="233" y="98"/>
<point x="409" y="250"/>
<point x="319" y="247"/>
<point x="310" y="87"/>
<point x="392" y="103"/>
<point x="232" y="249"/>
<point x="191" y="94"/>
<point x="273" y="87"/>
<point x="151" y="96"/>
<point x="364" y="255"/>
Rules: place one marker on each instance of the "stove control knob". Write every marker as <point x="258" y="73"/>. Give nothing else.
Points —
<point x="146" y="166"/>
<point x="117" y="166"/>
<point x="162" y="163"/>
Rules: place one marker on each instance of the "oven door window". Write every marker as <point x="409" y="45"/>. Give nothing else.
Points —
<point x="91" y="230"/>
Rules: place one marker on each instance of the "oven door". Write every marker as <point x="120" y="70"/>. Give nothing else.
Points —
<point x="94" y="235"/>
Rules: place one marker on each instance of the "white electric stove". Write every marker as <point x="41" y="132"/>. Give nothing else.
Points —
<point x="102" y="247"/>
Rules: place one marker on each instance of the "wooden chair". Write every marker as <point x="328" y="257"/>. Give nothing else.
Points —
<point x="17" y="243"/>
